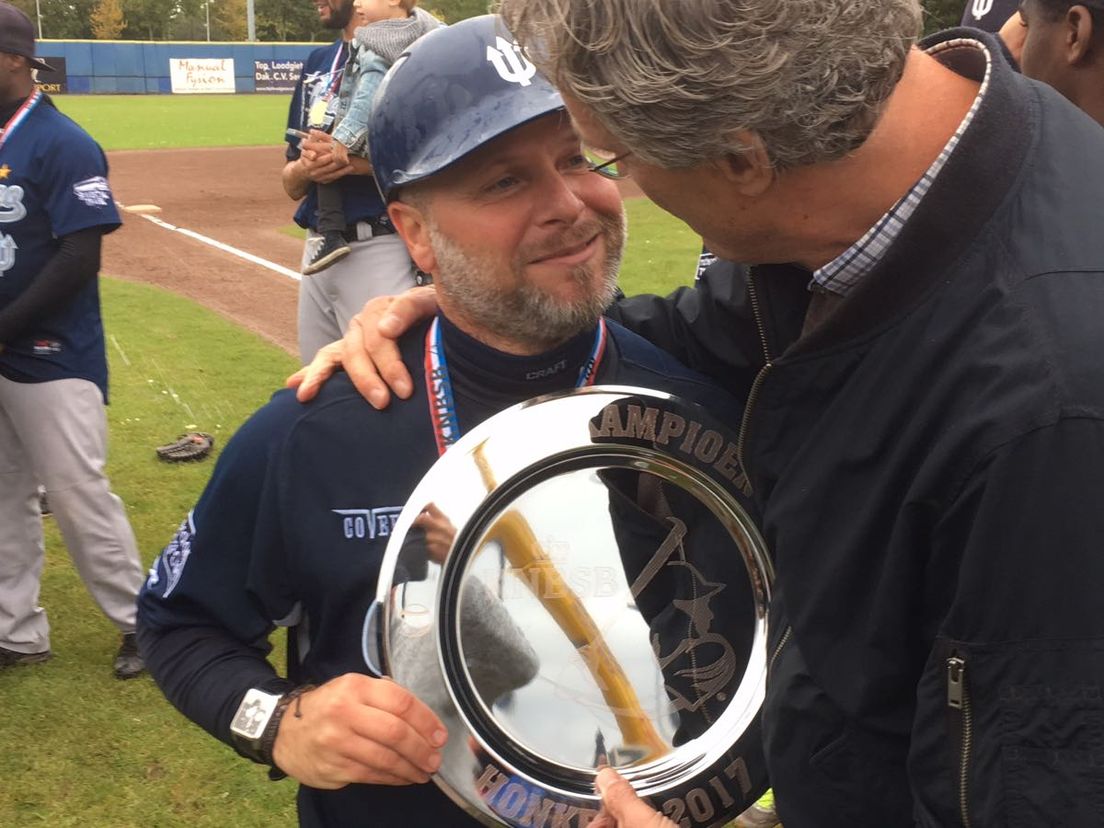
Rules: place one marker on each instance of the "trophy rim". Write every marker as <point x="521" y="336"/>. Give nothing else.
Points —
<point x="668" y="774"/>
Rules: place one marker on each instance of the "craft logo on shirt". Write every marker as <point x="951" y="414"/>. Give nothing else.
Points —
<point x="358" y="524"/>
<point x="173" y="558"/>
<point x="43" y="347"/>
<point x="93" y="192"/>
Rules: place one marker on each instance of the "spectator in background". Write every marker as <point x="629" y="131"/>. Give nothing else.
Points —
<point x="385" y="29"/>
<point x="1063" y="45"/>
<point x="55" y="206"/>
<point x="377" y="262"/>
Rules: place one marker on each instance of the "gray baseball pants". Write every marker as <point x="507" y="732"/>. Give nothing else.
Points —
<point x="55" y="433"/>
<point x="378" y="266"/>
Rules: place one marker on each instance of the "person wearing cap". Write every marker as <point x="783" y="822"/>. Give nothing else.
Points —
<point x="55" y="207"/>
<point x="1058" y="42"/>
<point x="917" y="334"/>
<point x="488" y="186"/>
<point x="1063" y="45"/>
<point x="376" y="262"/>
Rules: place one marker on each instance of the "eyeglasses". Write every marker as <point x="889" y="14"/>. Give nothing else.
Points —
<point x="606" y="166"/>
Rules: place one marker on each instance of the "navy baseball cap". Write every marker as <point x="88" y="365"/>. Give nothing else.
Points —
<point x="17" y="35"/>
<point x="455" y="89"/>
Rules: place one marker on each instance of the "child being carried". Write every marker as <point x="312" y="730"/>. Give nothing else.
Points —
<point x="390" y="26"/>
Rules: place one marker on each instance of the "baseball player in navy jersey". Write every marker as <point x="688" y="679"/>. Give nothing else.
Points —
<point x="495" y="198"/>
<point x="377" y="263"/>
<point x="55" y="205"/>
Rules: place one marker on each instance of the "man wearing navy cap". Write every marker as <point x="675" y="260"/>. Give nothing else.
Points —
<point x="55" y="206"/>
<point x="487" y="184"/>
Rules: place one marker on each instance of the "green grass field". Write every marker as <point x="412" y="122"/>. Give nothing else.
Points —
<point x="120" y="122"/>
<point x="80" y="748"/>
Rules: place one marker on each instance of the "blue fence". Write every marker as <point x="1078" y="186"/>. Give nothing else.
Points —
<point x="122" y="67"/>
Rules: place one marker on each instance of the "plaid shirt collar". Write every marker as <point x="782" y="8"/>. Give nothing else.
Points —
<point x="841" y="274"/>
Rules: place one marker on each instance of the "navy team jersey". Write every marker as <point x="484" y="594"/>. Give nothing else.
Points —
<point x="988" y="15"/>
<point x="292" y="528"/>
<point x="53" y="182"/>
<point x="320" y="78"/>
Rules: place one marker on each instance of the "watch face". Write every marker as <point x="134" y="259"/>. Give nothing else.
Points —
<point x="253" y="714"/>
<point x="578" y="583"/>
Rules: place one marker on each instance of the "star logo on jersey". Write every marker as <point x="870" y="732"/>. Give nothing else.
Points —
<point x="5" y="171"/>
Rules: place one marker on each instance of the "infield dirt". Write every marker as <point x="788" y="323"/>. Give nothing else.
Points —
<point x="232" y="195"/>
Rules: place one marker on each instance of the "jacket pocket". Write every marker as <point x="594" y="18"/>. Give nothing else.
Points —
<point x="1022" y="744"/>
<point x="1052" y="754"/>
<point x="827" y="770"/>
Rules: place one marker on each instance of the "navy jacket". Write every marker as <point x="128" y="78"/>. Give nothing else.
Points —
<point x="929" y="464"/>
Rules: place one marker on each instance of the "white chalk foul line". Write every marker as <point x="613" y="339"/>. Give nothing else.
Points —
<point x="241" y="254"/>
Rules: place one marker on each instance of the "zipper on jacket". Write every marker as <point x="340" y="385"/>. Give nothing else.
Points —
<point x="958" y="698"/>
<point x="778" y="649"/>
<point x="767" y="365"/>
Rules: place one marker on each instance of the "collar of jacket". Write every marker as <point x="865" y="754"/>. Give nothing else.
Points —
<point x="952" y="216"/>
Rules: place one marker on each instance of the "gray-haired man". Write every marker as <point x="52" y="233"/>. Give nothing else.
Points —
<point x="918" y="345"/>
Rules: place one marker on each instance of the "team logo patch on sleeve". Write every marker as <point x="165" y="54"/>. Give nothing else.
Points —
<point x="170" y="563"/>
<point x="93" y="192"/>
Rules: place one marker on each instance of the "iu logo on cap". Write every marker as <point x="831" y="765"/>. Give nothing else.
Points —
<point x="511" y="65"/>
<point x="982" y="8"/>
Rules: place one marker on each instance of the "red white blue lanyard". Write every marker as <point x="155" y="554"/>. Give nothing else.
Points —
<point x="442" y="406"/>
<point x="20" y="116"/>
<point x="335" y="79"/>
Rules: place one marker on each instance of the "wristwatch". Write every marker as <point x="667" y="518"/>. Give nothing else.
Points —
<point x="255" y="723"/>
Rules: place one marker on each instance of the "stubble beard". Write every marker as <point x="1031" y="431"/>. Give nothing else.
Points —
<point x="339" y="17"/>
<point x="525" y="315"/>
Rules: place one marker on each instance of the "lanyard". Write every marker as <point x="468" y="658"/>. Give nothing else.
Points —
<point x="442" y="406"/>
<point x="335" y="79"/>
<point x="20" y="116"/>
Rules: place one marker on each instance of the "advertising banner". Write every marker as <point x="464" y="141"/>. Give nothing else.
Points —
<point x="201" y="75"/>
<point x="276" y="75"/>
<point x="52" y="82"/>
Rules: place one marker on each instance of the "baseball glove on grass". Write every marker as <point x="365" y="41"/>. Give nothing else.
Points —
<point x="195" y="445"/>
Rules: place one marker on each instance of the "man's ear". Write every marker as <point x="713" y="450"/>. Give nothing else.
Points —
<point x="1079" y="33"/>
<point x="749" y="169"/>
<point x="413" y="228"/>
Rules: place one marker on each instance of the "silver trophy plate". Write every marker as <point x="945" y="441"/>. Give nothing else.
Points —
<point x="577" y="583"/>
